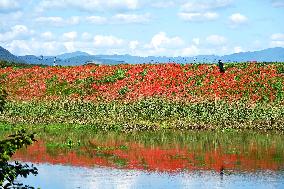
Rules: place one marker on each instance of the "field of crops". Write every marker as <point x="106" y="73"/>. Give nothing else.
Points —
<point x="127" y="97"/>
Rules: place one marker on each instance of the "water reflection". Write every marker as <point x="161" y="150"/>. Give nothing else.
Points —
<point x="163" y="152"/>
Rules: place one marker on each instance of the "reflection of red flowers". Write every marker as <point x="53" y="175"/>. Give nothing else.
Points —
<point x="158" y="158"/>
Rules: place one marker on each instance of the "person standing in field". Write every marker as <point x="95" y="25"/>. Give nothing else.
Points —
<point x="221" y="66"/>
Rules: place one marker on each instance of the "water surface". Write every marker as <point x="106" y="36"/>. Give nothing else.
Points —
<point x="157" y="160"/>
<point x="66" y="177"/>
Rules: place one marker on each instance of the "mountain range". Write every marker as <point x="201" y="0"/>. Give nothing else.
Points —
<point x="79" y="58"/>
<point x="6" y="55"/>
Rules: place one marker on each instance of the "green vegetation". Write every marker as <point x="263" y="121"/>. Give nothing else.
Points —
<point x="118" y="75"/>
<point x="149" y="114"/>
<point x="74" y="137"/>
<point x="9" y="172"/>
<point x="5" y="64"/>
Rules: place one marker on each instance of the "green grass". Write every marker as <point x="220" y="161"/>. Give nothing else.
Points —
<point x="149" y="114"/>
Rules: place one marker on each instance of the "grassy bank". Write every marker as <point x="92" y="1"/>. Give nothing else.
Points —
<point x="149" y="114"/>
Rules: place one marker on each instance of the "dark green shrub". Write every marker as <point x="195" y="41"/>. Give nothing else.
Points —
<point x="10" y="172"/>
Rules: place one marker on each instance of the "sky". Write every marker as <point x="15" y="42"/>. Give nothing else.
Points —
<point x="141" y="27"/>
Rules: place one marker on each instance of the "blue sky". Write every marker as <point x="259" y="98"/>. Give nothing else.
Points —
<point x="141" y="27"/>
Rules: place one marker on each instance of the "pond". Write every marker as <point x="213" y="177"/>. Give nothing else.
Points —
<point x="68" y="176"/>
<point x="162" y="159"/>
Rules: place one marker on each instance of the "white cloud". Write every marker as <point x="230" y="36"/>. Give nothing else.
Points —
<point x="204" y="6"/>
<point x="258" y="45"/>
<point x="58" y="21"/>
<point x="133" y="45"/>
<point x="49" y="48"/>
<point x="159" y="45"/>
<point x="104" y="41"/>
<point x="35" y="47"/>
<point x="221" y="49"/>
<point x="163" y="45"/>
<point x="132" y="18"/>
<point x="20" y="29"/>
<point x="277" y="3"/>
<point x="90" y="5"/>
<point x="74" y="20"/>
<point x="47" y="43"/>
<point x="238" y="49"/>
<point x="216" y="39"/>
<point x="190" y="51"/>
<point x="96" y="19"/>
<point x="277" y="36"/>
<point x="196" y="41"/>
<point x="277" y="40"/>
<point x="237" y="19"/>
<point x="202" y="10"/>
<point x="20" y="47"/>
<point x="8" y="19"/>
<point x="120" y="18"/>
<point x="122" y="4"/>
<point x="69" y="36"/>
<point x="9" y="5"/>
<point x="86" y="36"/>
<point x="16" y="32"/>
<point x="163" y="4"/>
<point x="198" y="16"/>
<point x="107" y="5"/>
<point x="47" y="36"/>
<point x="53" y="20"/>
<point x="70" y="46"/>
<point x="277" y="43"/>
<point x="161" y="40"/>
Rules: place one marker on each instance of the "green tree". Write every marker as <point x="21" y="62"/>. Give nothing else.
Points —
<point x="9" y="172"/>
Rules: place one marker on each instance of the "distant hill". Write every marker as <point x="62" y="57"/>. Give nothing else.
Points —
<point x="71" y="55"/>
<point x="80" y="58"/>
<point x="72" y="61"/>
<point x="159" y="59"/>
<point x="267" y="55"/>
<point x="7" y="56"/>
<point x="31" y="59"/>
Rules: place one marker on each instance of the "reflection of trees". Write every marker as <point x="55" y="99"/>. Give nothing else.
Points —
<point x="10" y="172"/>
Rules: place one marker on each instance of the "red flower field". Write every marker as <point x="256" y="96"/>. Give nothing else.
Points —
<point x="191" y="82"/>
